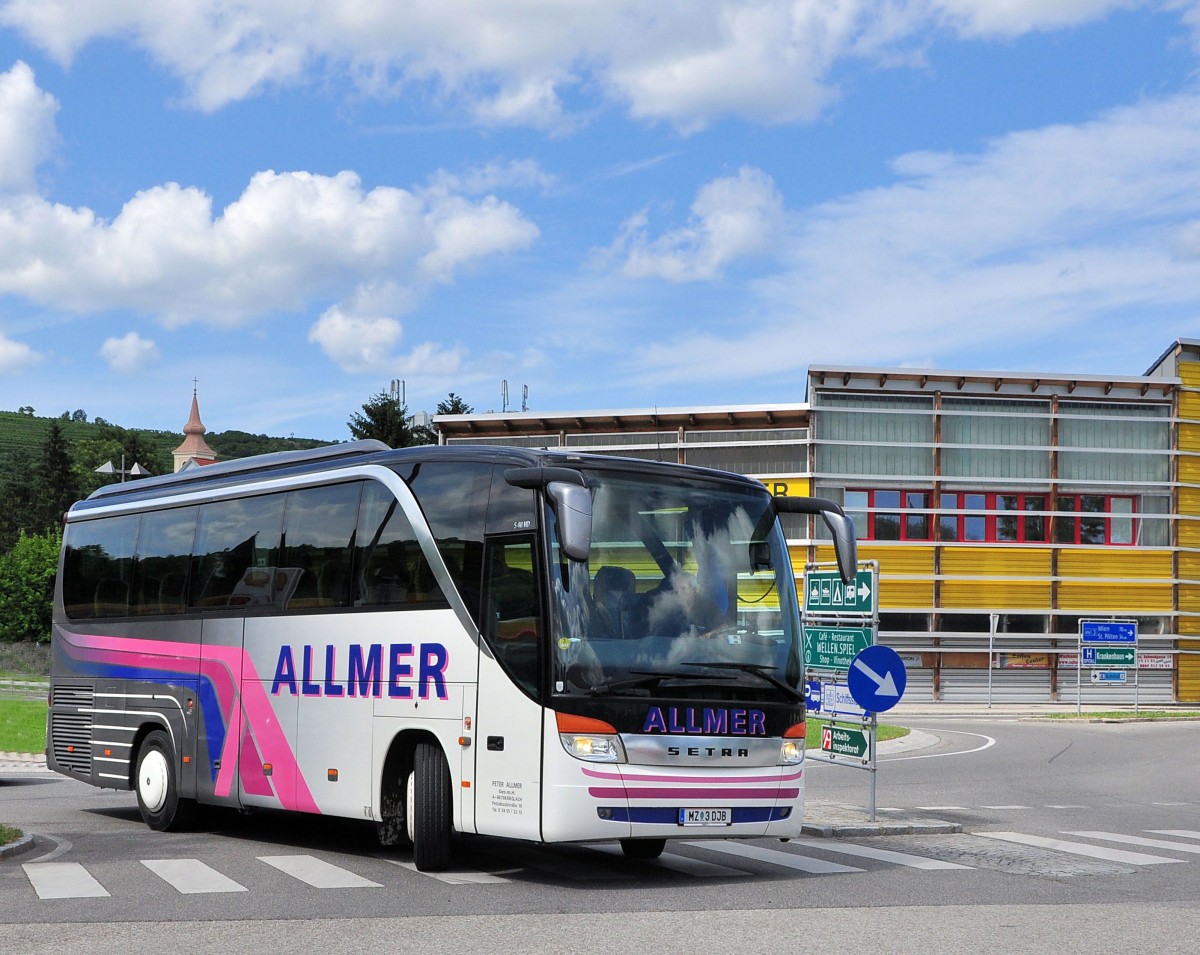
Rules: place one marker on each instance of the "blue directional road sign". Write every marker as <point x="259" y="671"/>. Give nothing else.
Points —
<point x="812" y="696"/>
<point x="1108" y="631"/>
<point x="877" y="678"/>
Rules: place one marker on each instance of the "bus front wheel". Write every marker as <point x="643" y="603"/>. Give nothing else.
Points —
<point x="157" y="786"/>
<point x="428" y="812"/>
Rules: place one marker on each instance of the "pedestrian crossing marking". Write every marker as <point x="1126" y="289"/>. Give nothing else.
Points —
<point x="191" y="876"/>
<point x="880" y="855"/>
<point x="465" y="877"/>
<point x="789" y="860"/>
<point x="1080" y="849"/>
<point x="63" y="880"/>
<point x="1181" y="833"/>
<point x="941" y="808"/>
<point x="318" y="873"/>
<point x="1138" y="841"/>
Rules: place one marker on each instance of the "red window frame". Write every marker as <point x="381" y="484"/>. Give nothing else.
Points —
<point x="984" y="517"/>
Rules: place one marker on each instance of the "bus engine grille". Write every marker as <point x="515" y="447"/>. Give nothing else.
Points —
<point x="71" y="741"/>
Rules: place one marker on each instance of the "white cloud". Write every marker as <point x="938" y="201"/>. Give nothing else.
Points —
<point x="288" y="239"/>
<point x="734" y="217"/>
<point x="129" y="353"/>
<point x="512" y="61"/>
<point x="27" y="131"/>
<point x="15" y="356"/>
<point x="361" y="344"/>
<point x="1041" y="233"/>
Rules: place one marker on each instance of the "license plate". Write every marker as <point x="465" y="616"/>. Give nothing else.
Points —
<point x="706" y="817"/>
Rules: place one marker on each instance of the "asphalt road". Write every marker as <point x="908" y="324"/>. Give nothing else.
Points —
<point x="1075" y="837"/>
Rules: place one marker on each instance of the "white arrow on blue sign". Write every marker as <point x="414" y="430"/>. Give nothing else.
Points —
<point x="877" y="678"/>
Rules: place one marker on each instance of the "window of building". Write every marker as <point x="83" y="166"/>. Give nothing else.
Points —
<point x="992" y="517"/>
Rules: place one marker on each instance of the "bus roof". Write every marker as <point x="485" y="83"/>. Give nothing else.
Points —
<point x="248" y="470"/>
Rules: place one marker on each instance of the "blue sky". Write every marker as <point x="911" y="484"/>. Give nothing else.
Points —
<point x="616" y="204"/>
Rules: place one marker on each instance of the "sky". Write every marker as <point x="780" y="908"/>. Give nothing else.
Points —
<point x="607" y="204"/>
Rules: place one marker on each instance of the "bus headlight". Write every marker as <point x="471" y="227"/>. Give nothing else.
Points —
<point x="595" y="749"/>
<point x="792" y="750"/>
<point x="590" y="739"/>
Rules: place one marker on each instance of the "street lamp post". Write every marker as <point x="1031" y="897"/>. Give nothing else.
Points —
<point x="109" y="468"/>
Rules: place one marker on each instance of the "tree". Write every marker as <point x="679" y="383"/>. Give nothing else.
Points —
<point x="27" y="586"/>
<point x="18" y="491"/>
<point x="58" y="485"/>
<point x="79" y="415"/>
<point x="385" y="418"/>
<point x="453" y="405"/>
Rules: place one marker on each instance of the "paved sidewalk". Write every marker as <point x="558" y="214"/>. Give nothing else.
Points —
<point x="22" y="763"/>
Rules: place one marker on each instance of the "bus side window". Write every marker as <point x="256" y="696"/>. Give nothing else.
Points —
<point x="391" y="569"/>
<point x="318" y="543"/>
<point x="163" y="553"/>
<point x="237" y="545"/>
<point x="98" y="573"/>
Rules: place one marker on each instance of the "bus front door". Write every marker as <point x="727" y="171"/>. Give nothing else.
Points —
<point x="508" y="756"/>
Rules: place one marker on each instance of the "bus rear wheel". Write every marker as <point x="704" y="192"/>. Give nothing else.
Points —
<point x="428" y="812"/>
<point x="157" y="786"/>
<point x="643" y="848"/>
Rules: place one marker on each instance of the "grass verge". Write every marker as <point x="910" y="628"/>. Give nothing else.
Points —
<point x="1128" y="715"/>
<point x="22" y="726"/>
<point x="9" y="834"/>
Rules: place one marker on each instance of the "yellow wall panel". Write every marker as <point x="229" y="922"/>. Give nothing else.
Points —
<point x="1189" y="404"/>
<point x="1189" y="601"/>
<point x="1189" y="469"/>
<point x="906" y="572"/>
<point x="1189" y="373"/>
<point x="1189" y="673"/>
<point x="996" y="561"/>
<point x="1122" y="563"/>
<point x="1115" y="597"/>
<point x="1189" y="565"/>
<point x="1189" y="500"/>
<point x="1189" y="533"/>
<point x="993" y="594"/>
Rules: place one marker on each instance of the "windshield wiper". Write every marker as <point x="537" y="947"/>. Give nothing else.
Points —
<point x="757" y="669"/>
<point x="647" y="679"/>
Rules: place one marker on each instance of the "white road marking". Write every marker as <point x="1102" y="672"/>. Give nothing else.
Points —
<point x="1138" y="841"/>
<point x="465" y="877"/>
<point x="882" y="855"/>
<point x="789" y="860"/>
<point x="63" y="880"/>
<point x="318" y="873"/>
<point x="191" y="876"/>
<point x="1080" y="849"/>
<point x="684" y="865"/>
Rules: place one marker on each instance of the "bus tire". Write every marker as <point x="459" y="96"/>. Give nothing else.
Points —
<point x="157" y="786"/>
<point x="643" y="848"/>
<point x="429" y="813"/>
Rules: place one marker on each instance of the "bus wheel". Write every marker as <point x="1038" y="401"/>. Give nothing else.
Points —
<point x="392" y="829"/>
<point x="157" y="787"/>
<point x="429" y="813"/>
<point x="643" y="848"/>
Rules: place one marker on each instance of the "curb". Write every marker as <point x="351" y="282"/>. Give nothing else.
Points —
<point x="16" y="848"/>
<point x="840" y="830"/>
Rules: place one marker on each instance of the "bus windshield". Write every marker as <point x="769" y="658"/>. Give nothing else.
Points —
<point x="688" y="592"/>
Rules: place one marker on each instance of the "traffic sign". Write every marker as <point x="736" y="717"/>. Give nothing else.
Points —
<point x="1108" y="676"/>
<point x="812" y="696"/>
<point x="877" y="678"/>
<point x="833" y="648"/>
<point x="1102" y="656"/>
<point x="1108" y="631"/>
<point x="826" y="593"/>
<point x="843" y="741"/>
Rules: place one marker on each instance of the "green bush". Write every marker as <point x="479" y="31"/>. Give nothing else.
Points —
<point x="27" y="587"/>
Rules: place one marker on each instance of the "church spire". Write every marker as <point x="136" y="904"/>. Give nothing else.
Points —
<point x="194" y="450"/>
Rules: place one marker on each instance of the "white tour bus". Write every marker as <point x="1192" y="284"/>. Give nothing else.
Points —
<point x="486" y="640"/>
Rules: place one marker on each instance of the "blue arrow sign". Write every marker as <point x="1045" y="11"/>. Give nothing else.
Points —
<point x="877" y="678"/>
<point x="1108" y="631"/>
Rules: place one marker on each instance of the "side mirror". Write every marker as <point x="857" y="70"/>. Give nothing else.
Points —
<point x="845" y="544"/>
<point x="573" y="507"/>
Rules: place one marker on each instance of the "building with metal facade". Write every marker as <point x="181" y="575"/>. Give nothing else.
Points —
<point x="1003" y="508"/>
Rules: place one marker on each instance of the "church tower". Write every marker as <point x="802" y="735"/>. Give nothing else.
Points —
<point x="195" y="450"/>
